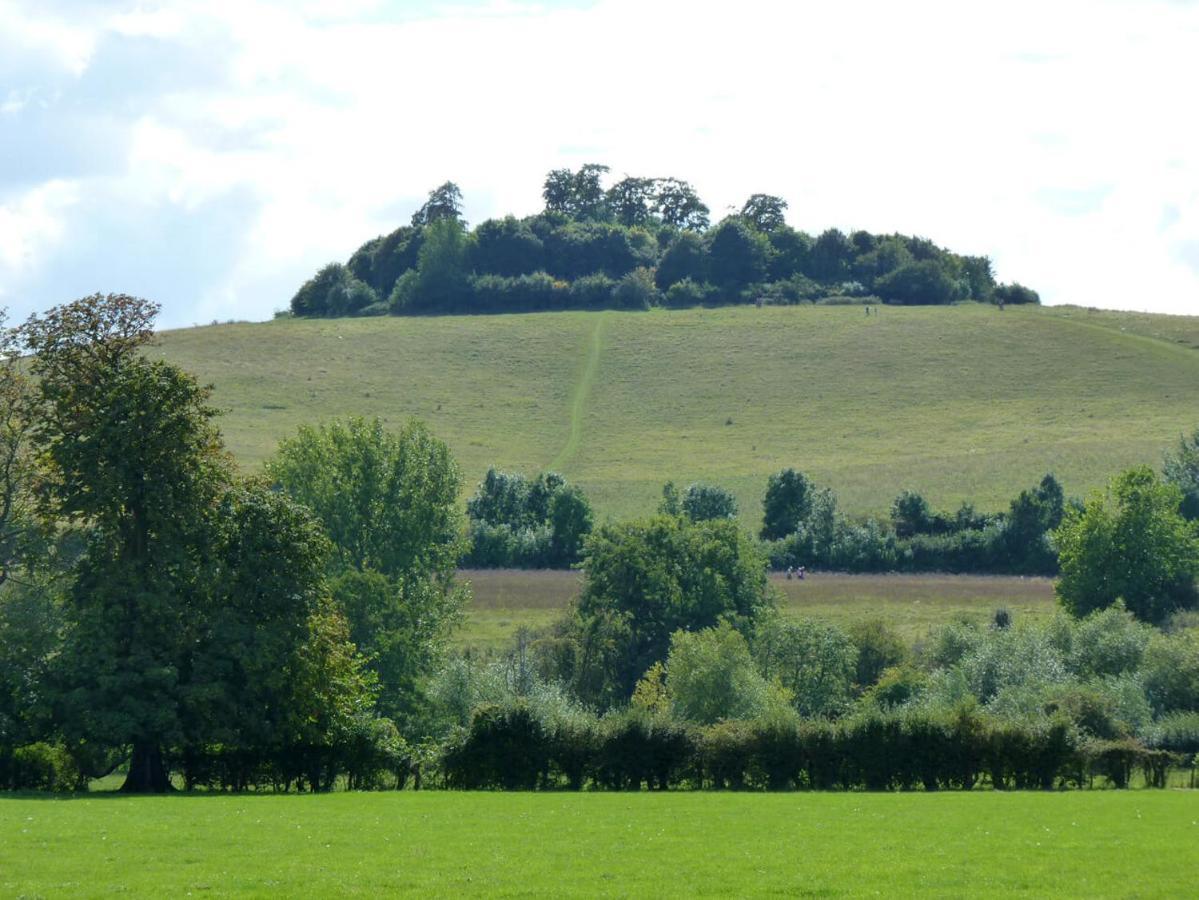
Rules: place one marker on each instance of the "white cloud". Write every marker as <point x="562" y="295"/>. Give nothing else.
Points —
<point x="1053" y="137"/>
<point x="30" y="226"/>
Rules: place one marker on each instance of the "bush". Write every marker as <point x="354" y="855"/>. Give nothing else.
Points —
<point x="637" y="748"/>
<point x="635" y="290"/>
<point x="506" y="746"/>
<point x="1014" y="293"/>
<point x="724" y="753"/>
<point x="1171" y="672"/>
<point x="41" y="767"/>
<point x="879" y="648"/>
<point x="592" y="291"/>
<point x="710" y="676"/>
<point x="688" y="293"/>
<point x="923" y="282"/>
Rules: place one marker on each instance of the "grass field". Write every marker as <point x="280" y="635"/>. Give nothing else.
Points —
<point x="1082" y="844"/>
<point x="508" y="599"/>
<point x="961" y="403"/>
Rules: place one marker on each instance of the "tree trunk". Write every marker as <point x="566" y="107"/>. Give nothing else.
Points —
<point x="147" y="774"/>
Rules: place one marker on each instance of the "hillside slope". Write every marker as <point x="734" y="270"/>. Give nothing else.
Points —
<point x="961" y="403"/>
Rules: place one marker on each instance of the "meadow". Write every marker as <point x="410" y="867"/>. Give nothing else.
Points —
<point x="1078" y="844"/>
<point x="506" y="600"/>
<point x="962" y="403"/>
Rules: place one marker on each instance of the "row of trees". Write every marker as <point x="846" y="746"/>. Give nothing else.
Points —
<point x="522" y="523"/>
<point x="641" y="242"/>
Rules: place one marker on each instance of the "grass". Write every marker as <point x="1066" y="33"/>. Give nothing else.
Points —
<point x="1083" y="844"/>
<point x="508" y="599"/>
<point x="961" y="403"/>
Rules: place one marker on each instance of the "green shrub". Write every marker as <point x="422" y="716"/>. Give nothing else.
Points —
<point x="724" y="754"/>
<point x="41" y="767"/>
<point x="637" y="748"/>
<point x="506" y="746"/>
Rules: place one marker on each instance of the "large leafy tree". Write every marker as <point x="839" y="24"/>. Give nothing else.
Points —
<point x="445" y="202"/>
<point x="686" y="257"/>
<point x="632" y="200"/>
<point x="389" y="503"/>
<point x="765" y="212"/>
<point x="507" y="247"/>
<point x="440" y="279"/>
<point x="579" y="195"/>
<point x="18" y="523"/>
<point x="679" y="206"/>
<point x="267" y="589"/>
<point x="788" y="502"/>
<point x="737" y="255"/>
<point x="645" y="580"/>
<point x="131" y="453"/>
<point x="1129" y="543"/>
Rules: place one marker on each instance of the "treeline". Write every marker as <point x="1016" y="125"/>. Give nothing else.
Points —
<point x="543" y="522"/>
<point x="515" y="522"/>
<point x="639" y="243"/>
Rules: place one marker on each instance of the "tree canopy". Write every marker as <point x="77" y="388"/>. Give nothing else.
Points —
<point x="556" y="259"/>
<point x="1131" y="544"/>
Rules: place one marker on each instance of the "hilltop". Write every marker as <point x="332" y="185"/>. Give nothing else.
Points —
<point x="961" y="403"/>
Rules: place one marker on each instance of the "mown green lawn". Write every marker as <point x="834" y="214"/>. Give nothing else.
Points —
<point x="961" y="403"/>
<point x="1082" y="844"/>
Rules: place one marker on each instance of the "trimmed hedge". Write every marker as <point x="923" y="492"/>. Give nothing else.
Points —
<point x="505" y="747"/>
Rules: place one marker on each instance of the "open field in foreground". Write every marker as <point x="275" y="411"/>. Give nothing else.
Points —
<point x="508" y="599"/>
<point x="1084" y="844"/>
<point x="960" y="403"/>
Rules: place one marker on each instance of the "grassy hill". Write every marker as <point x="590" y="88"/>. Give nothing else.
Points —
<point x="961" y="403"/>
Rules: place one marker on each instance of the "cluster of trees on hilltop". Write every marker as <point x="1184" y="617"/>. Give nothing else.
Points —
<point x="638" y="243"/>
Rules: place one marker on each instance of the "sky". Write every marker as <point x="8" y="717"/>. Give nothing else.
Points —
<point x="211" y="155"/>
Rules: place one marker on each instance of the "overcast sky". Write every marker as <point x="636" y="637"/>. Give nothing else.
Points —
<point x="211" y="155"/>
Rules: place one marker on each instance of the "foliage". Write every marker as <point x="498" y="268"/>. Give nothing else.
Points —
<point x="764" y="212"/>
<point x="440" y="280"/>
<point x="787" y="503"/>
<point x="737" y="255"/>
<point x="645" y="580"/>
<point x="527" y="523"/>
<point x="814" y="662"/>
<point x="656" y="224"/>
<point x="131" y="452"/>
<point x="710" y="676"/>
<point x="1015" y="293"/>
<point x="917" y="282"/>
<point x="1181" y="469"/>
<point x="1130" y="543"/>
<point x="333" y="291"/>
<point x="879" y="649"/>
<point x="445" y="202"/>
<point x="389" y="501"/>
<point x="704" y="502"/>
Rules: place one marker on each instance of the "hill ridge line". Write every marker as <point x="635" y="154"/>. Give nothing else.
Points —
<point x="581" y="393"/>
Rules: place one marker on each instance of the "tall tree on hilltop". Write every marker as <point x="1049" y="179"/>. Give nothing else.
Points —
<point x="445" y="202"/>
<point x="764" y="212"/>
<point x="679" y="205"/>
